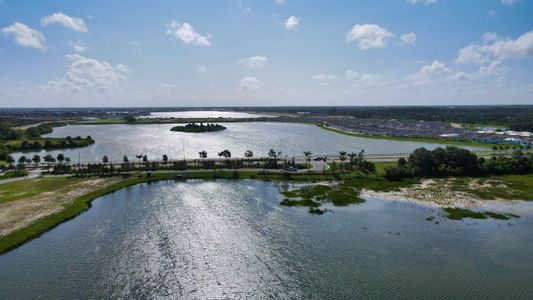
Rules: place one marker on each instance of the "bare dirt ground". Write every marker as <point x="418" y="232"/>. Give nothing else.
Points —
<point x="18" y="214"/>
<point x="441" y="193"/>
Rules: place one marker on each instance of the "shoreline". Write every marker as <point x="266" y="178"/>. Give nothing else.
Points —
<point x="371" y="187"/>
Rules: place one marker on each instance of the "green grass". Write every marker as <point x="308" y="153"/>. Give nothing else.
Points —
<point x="462" y="213"/>
<point x="79" y="205"/>
<point x="29" y="187"/>
<point x="409" y="139"/>
<point x="381" y="165"/>
<point x="517" y="187"/>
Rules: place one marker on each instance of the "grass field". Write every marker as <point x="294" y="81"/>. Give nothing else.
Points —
<point x="28" y="187"/>
<point x="512" y="187"/>
<point x="409" y="139"/>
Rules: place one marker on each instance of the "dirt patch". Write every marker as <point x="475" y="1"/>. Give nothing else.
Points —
<point x="18" y="214"/>
<point x="443" y="193"/>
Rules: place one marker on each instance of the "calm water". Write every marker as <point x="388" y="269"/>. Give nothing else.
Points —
<point x="215" y="239"/>
<point x="204" y="114"/>
<point x="115" y="141"/>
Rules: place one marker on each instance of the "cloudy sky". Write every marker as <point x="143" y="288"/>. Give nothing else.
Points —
<point x="265" y="52"/>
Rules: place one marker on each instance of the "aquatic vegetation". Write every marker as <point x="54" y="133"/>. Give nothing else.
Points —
<point x="453" y="213"/>
<point x="313" y="196"/>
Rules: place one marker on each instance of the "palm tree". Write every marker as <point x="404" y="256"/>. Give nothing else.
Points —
<point x="165" y="159"/>
<point x="352" y="156"/>
<point x="10" y="160"/>
<point x="248" y="154"/>
<point x="22" y="160"/>
<point x="49" y="159"/>
<point x="36" y="159"/>
<point x="60" y="158"/>
<point x="105" y="160"/>
<point x="125" y="159"/>
<point x="307" y="155"/>
<point x="342" y="157"/>
<point x="67" y="160"/>
<point x="202" y="154"/>
<point x="225" y="154"/>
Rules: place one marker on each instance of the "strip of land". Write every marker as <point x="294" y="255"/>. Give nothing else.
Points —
<point x="32" y="206"/>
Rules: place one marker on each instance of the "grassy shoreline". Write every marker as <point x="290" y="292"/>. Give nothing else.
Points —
<point x="354" y="180"/>
<point x="408" y="139"/>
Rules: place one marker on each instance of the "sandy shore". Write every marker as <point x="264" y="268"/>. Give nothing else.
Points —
<point x="18" y="214"/>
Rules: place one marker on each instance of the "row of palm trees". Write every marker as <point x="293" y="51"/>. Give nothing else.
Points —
<point x="36" y="159"/>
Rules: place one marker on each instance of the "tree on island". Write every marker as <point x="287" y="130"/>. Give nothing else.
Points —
<point x="125" y="159"/>
<point x="105" y="160"/>
<point x="195" y="128"/>
<point x="165" y="159"/>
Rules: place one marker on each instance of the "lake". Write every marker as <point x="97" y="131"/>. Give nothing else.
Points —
<point x="195" y="114"/>
<point x="232" y="239"/>
<point x="154" y="140"/>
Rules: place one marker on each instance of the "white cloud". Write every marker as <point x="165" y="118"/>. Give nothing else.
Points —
<point x="203" y="69"/>
<point x="250" y="84"/>
<point x="324" y="77"/>
<point x="292" y="23"/>
<point x="86" y="74"/>
<point x="509" y="2"/>
<point x="492" y="13"/>
<point x="280" y="2"/>
<point x="76" y="24"/>
<point x="372" y="80"/>
<point x="25" y="36"/>
<point x="426" y="2"/>
<point x="369" y="36"/>
<point x="138" y="48"/>
<point x="428" y="72"/>
<point x="253" y="62"/>
<point x="408" y="38"/>
<point x="123" y="69"/>
<point x="185" y="32"/>
<point x="351" y="74"/>
<point x="79" y="46"/>
<point x="497" y="49"/>
<point x="325" y="85"/>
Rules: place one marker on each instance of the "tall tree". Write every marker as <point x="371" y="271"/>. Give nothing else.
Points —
<point x="60" y="158"/>
<point x="36" y="159"/>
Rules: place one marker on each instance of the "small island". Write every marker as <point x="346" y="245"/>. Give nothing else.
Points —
<point x="193" y="127"/>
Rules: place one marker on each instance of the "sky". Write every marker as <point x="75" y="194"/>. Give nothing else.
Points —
<point x="69" y="53"/>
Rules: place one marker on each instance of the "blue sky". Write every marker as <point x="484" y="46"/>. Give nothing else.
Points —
<point x="268" y="52"/>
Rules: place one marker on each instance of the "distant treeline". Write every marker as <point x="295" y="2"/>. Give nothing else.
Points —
<point x="453" y="161"/>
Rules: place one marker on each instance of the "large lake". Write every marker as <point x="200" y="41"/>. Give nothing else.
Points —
<point x="115" y="141"/>
<point x="232" y="240"/>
